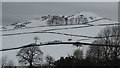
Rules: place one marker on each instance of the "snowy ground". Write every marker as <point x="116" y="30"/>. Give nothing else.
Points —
<point x="56" y="51"/>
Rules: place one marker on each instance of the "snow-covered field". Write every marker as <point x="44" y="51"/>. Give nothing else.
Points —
<point x="55" y="51"/>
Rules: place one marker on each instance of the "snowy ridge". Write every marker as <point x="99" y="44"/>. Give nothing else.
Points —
<point x="79" y="18"/>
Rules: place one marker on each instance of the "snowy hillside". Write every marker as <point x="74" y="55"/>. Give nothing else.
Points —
<point x="54" y="20"/>
<point x="42" y="25"/>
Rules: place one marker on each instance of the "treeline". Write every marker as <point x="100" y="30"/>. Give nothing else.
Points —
<point x="63" y="20"/>
<point x="96" y="55"/>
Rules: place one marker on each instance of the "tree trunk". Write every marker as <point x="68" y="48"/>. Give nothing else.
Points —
<point x="30" y="64"/>
<point x="35" y="41"/>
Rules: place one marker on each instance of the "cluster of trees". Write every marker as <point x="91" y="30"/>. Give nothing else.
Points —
<point x="106" y="55"/>
<point x="20" y="24"/>
<point x="96" y="55"/>
<point x="62" y="20"/>
<point x="80" y="19"/>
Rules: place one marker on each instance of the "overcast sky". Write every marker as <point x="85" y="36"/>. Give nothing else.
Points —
<point x="60" y="0"/>
<point x="24" y="11"/>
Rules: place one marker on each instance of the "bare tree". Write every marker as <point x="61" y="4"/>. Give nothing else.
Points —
<point x="85" y="20"/>
<point x="106" y="53"/>
<point x="30" y="55"/>
<point x="78" y="54"/>
<point x="36" y="38"/>
<point x="49" y="59"/>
